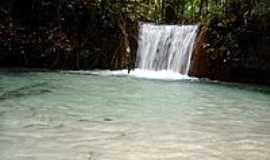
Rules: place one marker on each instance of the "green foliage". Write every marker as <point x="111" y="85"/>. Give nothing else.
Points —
<point x="150" y="10"/>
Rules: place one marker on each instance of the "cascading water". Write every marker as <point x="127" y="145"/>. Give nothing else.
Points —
<point x="164" y="52"/>
<point x="166" y="47"/>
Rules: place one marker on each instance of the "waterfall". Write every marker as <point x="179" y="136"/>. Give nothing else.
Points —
<point x="165" y="47"/>
<point x="164" y="52"/>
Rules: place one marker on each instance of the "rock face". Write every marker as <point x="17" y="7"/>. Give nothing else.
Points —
<point x="236" y="55"/>
<point x="198" y="66"/>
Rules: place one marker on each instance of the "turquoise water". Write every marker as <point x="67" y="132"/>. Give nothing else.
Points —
<point x="63" y="116"/>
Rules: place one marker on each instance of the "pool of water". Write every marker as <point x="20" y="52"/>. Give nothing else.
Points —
<point x="64" y="116"/>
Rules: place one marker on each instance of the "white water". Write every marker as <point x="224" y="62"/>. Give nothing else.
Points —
<point x="166" y="47"/>
<point x="137" y="73"/>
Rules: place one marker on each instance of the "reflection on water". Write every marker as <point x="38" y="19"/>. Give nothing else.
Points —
<point x="88" y="117"/>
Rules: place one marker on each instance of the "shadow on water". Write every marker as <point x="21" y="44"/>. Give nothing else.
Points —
<point x="30" y="90"/>
<point x="22" y="70"/>
<point x="240" y="86"/>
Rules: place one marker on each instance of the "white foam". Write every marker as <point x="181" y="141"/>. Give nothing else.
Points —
<point x="139" y="73"/>
<point x="162" y="74"/>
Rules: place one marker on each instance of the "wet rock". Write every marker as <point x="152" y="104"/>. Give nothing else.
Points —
<point x="198" y="66"/>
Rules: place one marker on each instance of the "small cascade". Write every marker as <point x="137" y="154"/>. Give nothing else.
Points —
<point x="166" y="47"/>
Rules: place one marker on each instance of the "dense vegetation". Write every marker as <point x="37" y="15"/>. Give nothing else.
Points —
<point x="86" y="34"/>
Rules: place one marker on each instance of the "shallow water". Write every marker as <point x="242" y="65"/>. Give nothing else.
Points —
<point x="63" y="116"/>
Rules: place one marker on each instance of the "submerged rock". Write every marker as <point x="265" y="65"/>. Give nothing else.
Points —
<point x="107" y="119"/>
<point x="25" y="91"/>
